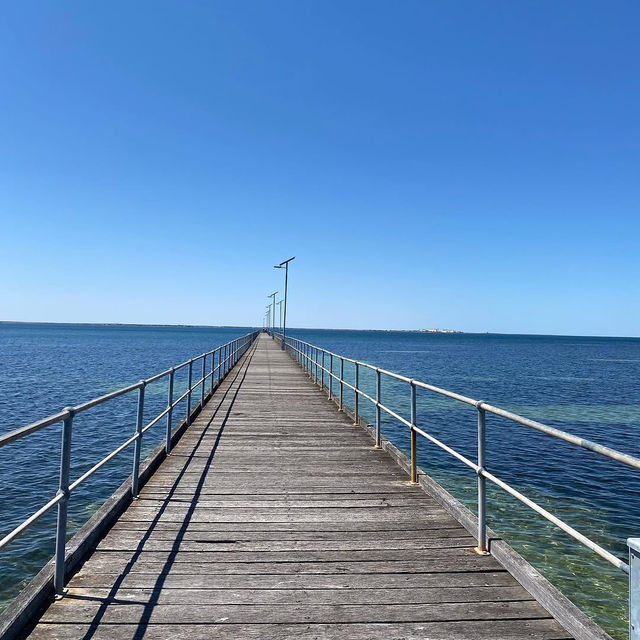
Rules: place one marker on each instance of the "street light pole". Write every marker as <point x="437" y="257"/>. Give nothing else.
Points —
<point x="285" y="265"/>
<point x="279" y="303"/>
<point x="273" y="310"/>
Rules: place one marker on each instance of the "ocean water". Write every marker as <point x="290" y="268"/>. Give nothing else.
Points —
<point x="46" y="367"/>
<point x="588" y="386"/>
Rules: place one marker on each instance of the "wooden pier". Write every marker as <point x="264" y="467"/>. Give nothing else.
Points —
<point x="274" y="517"/>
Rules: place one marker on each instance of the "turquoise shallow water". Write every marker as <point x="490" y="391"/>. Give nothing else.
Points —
<point x="584" y="385"/>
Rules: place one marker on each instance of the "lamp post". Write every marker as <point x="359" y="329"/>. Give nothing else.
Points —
<point x="284" y="265"/>
<point x="279" y="303"/>
<point x="268" y="307"/>
<point x="273" y="311"/>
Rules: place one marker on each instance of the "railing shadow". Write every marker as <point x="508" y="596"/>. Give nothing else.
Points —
<point x="149" y="605"/>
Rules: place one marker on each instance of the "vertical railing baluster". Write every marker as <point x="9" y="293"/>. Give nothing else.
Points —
<point x="414" y="463"/>
<point x="167" y="445"/>
<point x="634" y="588"/>
<point x="378" y="400"/>
<point x="213" y="364"/>
<point x="356" y="395"/>
<point x="341" y="405"/>
<point x="63" y="505"/>
<point x="190" y="383"/>
<point x="204" y="370"/>
<point x="322" y="372"/>
<point x="137" y="444"/>
<point x="331" y="376"/>
<point x="482" y="489"/>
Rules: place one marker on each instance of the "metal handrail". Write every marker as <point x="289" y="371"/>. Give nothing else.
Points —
<point x="227" y="356"/>
<point x="312" y="358"/>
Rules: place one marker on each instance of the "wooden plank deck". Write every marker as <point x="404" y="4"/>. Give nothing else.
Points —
<point x="275" y="518"/>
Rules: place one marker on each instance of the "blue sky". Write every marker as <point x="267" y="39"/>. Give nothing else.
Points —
<point x="471" y="165"/>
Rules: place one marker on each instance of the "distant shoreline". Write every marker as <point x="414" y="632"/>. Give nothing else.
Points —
<point x="233" y="326"/>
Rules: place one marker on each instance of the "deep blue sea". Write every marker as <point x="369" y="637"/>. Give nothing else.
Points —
<point x="588" y="386"/>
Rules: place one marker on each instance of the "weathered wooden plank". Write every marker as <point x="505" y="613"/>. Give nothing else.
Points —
<point x="204" y="503"/>
<point x="309" y="582"/>
<point x="79" y="612"/>
<point x="211" y="555"/>
<point x="281" y="538"/>
<point x="97" y="598"/>
<point x="407" y="516"/>
<point x="464" y="563"/>
<point x="425" y="523"/>
<point x="544" y="629"/>
<point x="208" y="543"/>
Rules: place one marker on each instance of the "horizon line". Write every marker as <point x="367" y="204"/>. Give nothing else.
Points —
<point x="239" y="326"/>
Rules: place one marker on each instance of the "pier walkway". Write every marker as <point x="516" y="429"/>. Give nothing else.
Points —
<point x="274" y="517"/>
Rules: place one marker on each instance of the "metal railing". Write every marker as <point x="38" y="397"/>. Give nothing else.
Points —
<point x="318" y="362"/>
<point x="223" y="358"/>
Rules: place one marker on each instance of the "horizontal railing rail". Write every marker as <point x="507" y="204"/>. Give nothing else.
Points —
<point x="319" y="362"/>
<point x="222" y="358"/>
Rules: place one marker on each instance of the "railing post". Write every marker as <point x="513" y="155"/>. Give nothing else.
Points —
<point x="340" y="405"/>
<point x="634" y="588"/>
<point x="204" y="366"/>
<point x="213" y="364"/>
<point x="378" y="399"/>
<point x="63" y="505"/>
<point x="167" y="446"/>
<point x="188" y="418"/>
<point x="322" y="372"/>
<point x="356" y="395"/>
<point x="414" y="464"/>
<point x="482" y="489"/>
<point x="137" y="445"/>
<point x="331" y="377"/>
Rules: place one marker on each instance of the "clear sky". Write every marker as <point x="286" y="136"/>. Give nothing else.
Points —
<point x="472" y="165"/>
